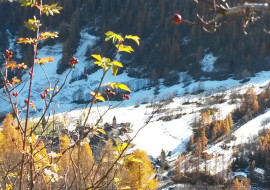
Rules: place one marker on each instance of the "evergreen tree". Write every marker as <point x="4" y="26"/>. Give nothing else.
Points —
<point x="163" y="161"/>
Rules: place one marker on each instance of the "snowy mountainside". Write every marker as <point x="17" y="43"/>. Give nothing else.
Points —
<point x="170" y="129"/>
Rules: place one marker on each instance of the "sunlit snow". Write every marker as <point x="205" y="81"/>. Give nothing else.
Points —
<point x="168" y="134"/>
<point x="207" y="63"/>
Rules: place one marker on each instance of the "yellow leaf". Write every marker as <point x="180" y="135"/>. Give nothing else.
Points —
<point x="9" y="187"/>
<point x="117" y="63"/>
<point x="11" y="64"/>
<point x="125" y="48"/>
<point x="44" y="60"/>
<point x="14" y="80"/>
<point x="101" y="98"/>
<point x="114" y="70"/>
<point x="117" y="86"/>
<point x="97" y="57"/>
<point x="111" y="35"/>
<point x="45" y="35"/>
<point x="32" y="24"/>
<point x="124" y="188"/>
<point x="98" y="96"/>
<point x="101" y="131"/>
<point x="32" y="106"/>
<point x="50" y="89"/>
<point x="22" y="65"/>
<point x="13" y="174"/>
<point x="135" y="38"/>
<point x="135" y="160"/>
<point x="116" y="179"/>
<point x="27" y="40"/>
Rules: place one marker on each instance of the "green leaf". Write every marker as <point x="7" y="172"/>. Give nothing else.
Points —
<point x="117" y="63"/>
<point x="125" y="48"/>
<point x="98" y="57"/>
<point x="135" y="38"/>
<point x="114" y="70"/>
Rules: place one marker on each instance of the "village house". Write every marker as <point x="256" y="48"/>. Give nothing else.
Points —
<point x="259" y="173"/>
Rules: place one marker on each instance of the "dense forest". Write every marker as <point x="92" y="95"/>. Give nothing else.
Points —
<point x="165" y="47"/>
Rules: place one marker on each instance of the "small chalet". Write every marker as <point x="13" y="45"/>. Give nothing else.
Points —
<point x="239" y="175"/>
<point x="259" y="173"/>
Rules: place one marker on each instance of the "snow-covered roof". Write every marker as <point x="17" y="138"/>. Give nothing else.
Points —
<point x="259" y="170"/>
<point x="239" y="174"/>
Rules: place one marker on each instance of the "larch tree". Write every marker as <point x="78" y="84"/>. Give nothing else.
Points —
<point x="139" y="172"/>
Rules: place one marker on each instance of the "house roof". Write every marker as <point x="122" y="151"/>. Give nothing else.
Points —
<point x="259" y="170"/>
<point x="235" y="174"/>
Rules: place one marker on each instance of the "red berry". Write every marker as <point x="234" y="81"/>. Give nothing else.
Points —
<point x="125" y="96"/>
<point x="43" y="96"/>
<point x="12" y="124"/>
<point x="26" y="101"/>
<point x="32" y="102"/>
<point x="177" y="19"/>
<point x="8" y="54"/>
<point x="108" y="91"/>
<point x="73" y="61"/>
<point x="31" y="74"/>
<point x="15" y="94"/>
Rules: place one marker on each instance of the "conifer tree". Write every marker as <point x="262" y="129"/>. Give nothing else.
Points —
<point x="139" y="172"/>
<point x="204" y="139"/>
<point x="227" y="126"/>
<point x="230" y="120"/>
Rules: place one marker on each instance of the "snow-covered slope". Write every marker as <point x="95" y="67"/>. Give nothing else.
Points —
<point x="170" y="129"/>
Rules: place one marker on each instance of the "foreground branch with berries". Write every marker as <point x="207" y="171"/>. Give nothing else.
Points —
<point x="36" y="154"/>
<point x="224" y="12"/>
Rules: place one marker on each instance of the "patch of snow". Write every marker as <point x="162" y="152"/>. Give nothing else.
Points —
<point x="185" y="41"/>
<point x="208" y="62"/>
<point x="250" y="130"/>
<point x="259" y="170"/>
